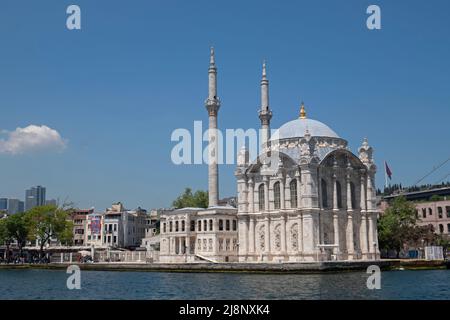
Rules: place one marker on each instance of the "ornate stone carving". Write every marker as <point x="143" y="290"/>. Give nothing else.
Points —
<point x="262" y="238"/>
<point x="277" y="240"/>
<point x="294" y="237"/>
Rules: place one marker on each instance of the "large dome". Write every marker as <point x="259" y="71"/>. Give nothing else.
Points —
<point x="297" y="128"/>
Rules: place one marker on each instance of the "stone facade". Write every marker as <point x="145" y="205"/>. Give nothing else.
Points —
<point x="196" y="234"/>
<point x="306" y="197"/>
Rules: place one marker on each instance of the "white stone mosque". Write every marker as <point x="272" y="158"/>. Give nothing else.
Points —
<point x="306" y="197"/>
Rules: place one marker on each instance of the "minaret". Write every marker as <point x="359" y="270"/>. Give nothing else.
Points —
<point x="265" y="114"/>
<point x="212" y="104"/>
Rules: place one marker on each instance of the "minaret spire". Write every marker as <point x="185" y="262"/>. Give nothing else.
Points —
<point x="212" y="104"/>
<point x="265" y="114"/>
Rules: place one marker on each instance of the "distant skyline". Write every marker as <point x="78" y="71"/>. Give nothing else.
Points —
<point x="89" y="114"/>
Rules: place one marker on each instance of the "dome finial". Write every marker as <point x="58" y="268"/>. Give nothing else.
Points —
<point x="302" y="111"/>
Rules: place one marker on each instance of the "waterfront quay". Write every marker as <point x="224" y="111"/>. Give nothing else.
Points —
<point x="204" y="267"/>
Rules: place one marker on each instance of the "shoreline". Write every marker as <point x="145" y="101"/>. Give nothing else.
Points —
<point x="253" y="268"/>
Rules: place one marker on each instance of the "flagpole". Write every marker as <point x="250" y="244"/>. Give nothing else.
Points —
<point x="385" y="175"/>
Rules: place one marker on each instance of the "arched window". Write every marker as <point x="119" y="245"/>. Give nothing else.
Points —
<point x="293" y="190"/>
<point x="164" y="227"/>
<point x="276" y="195"/>
<point x="210" y="224"/>
<point x="199" y="225"/>
<point x="176" y="226"/>
<point x="234" y="225"/>
<point x="183" y="225"/>
<point x="353" y="195"/>
<point x="339" y="194"/>
<point x="261" y="196"/>
<point x="441" y="228"/>
<point x="220" y="225"/>
<point x="205" y="225"/>
<point x="192" y="225"/>
<point x="323" y="184"/>
<point x="170" y="226"/>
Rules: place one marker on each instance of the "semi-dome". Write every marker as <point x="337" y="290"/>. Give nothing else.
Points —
<point x="297" y="128"/>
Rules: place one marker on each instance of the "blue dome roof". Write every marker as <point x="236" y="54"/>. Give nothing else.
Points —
<point x="297" y="128"/>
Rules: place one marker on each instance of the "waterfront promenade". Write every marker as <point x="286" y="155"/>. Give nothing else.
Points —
<point x="306" y="267"/>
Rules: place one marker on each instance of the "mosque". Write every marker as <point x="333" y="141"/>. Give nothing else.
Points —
<point x="306" y="197"/>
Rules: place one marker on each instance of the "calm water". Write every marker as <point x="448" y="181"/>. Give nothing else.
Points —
<point x="45" y="284"/>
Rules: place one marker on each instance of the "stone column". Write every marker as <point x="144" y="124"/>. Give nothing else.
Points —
<point x="251" y="196"/>
<point x="299" y="186"/>
<point x="363" y="225"/>
<point x="282" y="195"/>
<point x="251" y="235"/>
<point x="335" y="216"/>
<point x="349" y="231"/>
<point x="267" y="232"/>
<point x="243" y="234"/>
<point x="283" y="234"/>
<point x="370" y="236"/>
<point x="300" y="233"/>
<point x="335" y="195"/>
<point x="266" y="193"/>
<point x="188" y="245"/>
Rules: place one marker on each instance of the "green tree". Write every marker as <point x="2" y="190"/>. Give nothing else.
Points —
<point x="5" y="237"/>
<point x="199" y="199"/>
<point x="47" y="222"/>
<point x="17" y="229"/>
<point x="397" y="225"/>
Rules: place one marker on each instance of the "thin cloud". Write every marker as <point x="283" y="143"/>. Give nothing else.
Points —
<point x="31" y="139"/>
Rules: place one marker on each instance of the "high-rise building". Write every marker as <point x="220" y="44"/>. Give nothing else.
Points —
<point x="34" y="197"/>
<point x="3" y="204"/>
<point x="15" y="206"/>
<point x="51" y="202"/>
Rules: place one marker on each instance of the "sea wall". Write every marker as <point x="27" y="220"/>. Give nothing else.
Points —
<point x="312" y="267"/>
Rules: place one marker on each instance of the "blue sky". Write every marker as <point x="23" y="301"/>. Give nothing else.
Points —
<point x="138" y="70"/>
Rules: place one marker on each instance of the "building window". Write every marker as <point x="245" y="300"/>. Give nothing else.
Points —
<point x="220" y="225"/>
<point x="440" y="212"/>
<point x="227" y="225"/>
<point x="261" y="196"/>
<point x="192" y="225"/>
<point x="441" y="228"/>
<point x="205" y="225"/>
<point x="339" y="194"/>
<point x="448" y="211"/>
<point x="234" y="225"/>
<point x="210" y="225"/>
<point x="183" y="225"/>
<point x="199" y="225"/>
<point x="448" y="228"/>
<point x="424" y="213"/>
<point x="164" y="227"/>
<point x="276" y="195"/>
<point x="176" y="226"/>
<point x="430" y="211"/>
<point x="293" y="190"/>
<point x="323" y="186"/>
<point x="170" y="226"/>
<point x="115" y="227"/>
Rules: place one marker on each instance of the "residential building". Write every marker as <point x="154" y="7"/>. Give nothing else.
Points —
<point x="79" y="226"/>
<point x="435" y="213"/>
<point x="94" y="229"/>
<point x="123" y="228"/>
